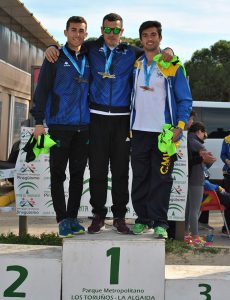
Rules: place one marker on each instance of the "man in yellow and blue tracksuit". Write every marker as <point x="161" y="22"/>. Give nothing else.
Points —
<point x="225" y="157"/>
<point x="160" y="96"/>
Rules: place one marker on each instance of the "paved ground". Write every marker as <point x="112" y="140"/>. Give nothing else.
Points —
<point x="9" y="222"/>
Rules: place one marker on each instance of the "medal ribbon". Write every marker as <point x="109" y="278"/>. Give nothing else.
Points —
<point x="148" y="73"/>
<point x="108" y="60"/>
<point x="80" y="71"/>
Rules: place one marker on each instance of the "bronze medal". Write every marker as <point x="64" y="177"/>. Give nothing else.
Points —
<point x="147" y="88"/>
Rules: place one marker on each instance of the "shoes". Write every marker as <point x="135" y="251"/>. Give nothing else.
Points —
<point x="64" y="229"/>
<point x="188" y="239"/>
<point x="97" y="225"/>
<point x="138" y="228"/>
<point x="160" y="232"/>
<point x="120" y="226"/>
<point x="199" y="242"/>
<point x="205" y="226"/>
<point x="76" y="227"/>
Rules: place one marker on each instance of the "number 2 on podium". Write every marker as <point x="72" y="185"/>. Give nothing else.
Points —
<point x="10" y="291"/>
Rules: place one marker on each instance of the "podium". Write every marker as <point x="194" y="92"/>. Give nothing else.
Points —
<point x="106" y="266"/>
<point x="197" y="282"/>
<point x="109" y="266"/>
<point x="30" y="272"/>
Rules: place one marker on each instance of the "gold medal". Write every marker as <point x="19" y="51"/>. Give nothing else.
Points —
<point x="147" y="88"/>
<point x="106" y="75"/>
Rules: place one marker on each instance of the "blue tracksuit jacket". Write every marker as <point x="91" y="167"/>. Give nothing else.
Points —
<point x="225" y="154"/>
<point x="60" y="98"/>
<point x="111" y="95"/>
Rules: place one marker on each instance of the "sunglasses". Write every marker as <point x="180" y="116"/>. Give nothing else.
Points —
<point x="115" y="30"/>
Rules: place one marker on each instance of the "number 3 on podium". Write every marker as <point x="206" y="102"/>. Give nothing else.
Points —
<point x="207" y="291"/>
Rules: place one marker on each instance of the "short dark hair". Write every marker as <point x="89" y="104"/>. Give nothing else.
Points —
<point x="149" y="24"/>
<point x="196" y="126"/>
<point x="75" y="19"/>
<point x="112" y="17"/>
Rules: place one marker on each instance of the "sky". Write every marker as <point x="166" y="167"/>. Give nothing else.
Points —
<point x="187" y="26"/>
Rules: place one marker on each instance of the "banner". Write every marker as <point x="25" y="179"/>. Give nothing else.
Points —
<point x="33" y="195"/>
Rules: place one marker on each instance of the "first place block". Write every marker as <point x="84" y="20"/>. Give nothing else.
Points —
<point x="110" y="266"/>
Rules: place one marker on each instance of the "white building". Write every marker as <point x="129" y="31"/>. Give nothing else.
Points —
<point x="23" y="40"/>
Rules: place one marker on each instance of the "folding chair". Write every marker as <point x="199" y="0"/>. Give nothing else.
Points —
<point x="212" y="202"/>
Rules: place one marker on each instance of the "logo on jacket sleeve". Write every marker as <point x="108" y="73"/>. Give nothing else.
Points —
<point x="66" y="64"/>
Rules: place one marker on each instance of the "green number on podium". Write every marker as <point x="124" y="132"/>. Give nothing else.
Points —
<point x="10" y="291"/>
<point x="114" y="266"/>
<point x="207" y="291"/>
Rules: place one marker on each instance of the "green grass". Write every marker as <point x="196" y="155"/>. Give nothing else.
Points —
<point x="180" y="247"/>
<point x="52" y="239"/>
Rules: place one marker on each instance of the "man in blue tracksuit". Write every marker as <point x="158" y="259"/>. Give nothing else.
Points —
<point x="61" y="99"/>
<point x="160" y="96"/>
<point x="111" y="64"/>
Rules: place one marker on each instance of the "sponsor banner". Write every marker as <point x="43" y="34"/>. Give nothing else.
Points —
<point x="33" y="194"/>
<point x="179" y="191"/>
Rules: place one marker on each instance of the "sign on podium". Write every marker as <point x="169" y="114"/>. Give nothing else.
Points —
<point x="113" y="267"/>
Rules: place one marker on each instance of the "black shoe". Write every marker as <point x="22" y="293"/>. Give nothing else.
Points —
<point x="120" y="226"/>
<point x="97" y="225"/>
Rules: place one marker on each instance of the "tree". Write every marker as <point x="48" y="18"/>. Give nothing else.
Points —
<point x="134" y="42"/>
<point x="209" y="72"/>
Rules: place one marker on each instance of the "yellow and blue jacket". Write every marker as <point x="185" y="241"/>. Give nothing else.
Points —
<point x="178" y="103"/>
<point x="225" y="154"/>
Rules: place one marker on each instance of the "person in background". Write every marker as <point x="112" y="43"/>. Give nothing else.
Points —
<point x="156" y="90"/>
<point x="224" y="198"/>
<point x="61" y="99"/>
<point x="204" y="217"/>
<point x="199" y="160"/>
<point x="225" y="157"/>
